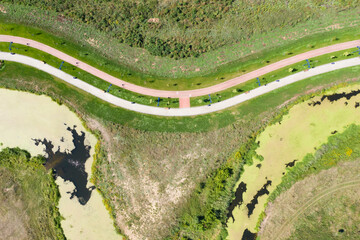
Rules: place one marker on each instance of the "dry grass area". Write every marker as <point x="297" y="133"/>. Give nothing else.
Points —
<point x="14" y="221"/>
<point x="148" y="176"/>
<point x="321" y="204"/>
<point x="28" y="199"/>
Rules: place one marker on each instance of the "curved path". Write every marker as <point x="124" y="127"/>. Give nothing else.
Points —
<point x="179" y="94"/>
<point x="313" y="200"/>
<point x="178" y="111"/>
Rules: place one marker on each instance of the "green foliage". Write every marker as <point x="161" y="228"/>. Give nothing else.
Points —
<point x="37" y="191"/>
<point x="181" y="29"/>
<point x="2" y="64"/>
<point x="340" y="147"/>
<point x="201" y="218"/>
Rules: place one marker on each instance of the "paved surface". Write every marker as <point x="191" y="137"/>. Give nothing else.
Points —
<point x="179" y="94"/>
<point x="184" y="102"/>
<point x="178" y="111"/>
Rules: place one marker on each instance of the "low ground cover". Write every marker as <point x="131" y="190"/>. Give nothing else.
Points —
<point x="304" y="128"/>
<point x="89" y="78"/>
<point x="275" y="75"/>
<point x="132" y="64"/>
<point x="28" y="198"/>
<point x="309" y="185"/>
<point x="136" y="149"/>
<point x="166" y="28"/>
<point x="174" y="103"/>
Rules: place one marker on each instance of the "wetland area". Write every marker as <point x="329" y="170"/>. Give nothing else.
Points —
<point x="282" y="145"/>
<point x="42" y="127"/>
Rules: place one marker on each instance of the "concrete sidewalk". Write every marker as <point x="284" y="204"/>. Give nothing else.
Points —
<point x="179" y="112"/>
<point x="185" y="93"/>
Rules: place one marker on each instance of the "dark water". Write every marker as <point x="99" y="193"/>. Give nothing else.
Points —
<point x="251" y="206"/>
<point x="336" y="96"/>
<point x="247" y="235"/>
<point x="290" y="164"/>
<point x="237" y="201"/>
<point x="70" y="165"/>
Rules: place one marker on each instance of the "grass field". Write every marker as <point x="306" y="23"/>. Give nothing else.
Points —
<point x="171" y="176"/>
<point x="91" y="79"/>
<point x="318" y="206"/>
<point x="28" y="198"/>
<point x="164" y="73"/>
<point x="313" y="201"/>
<point x="174" y="103"/>
<point x="273" y="76"/>
<point x="298" y="133"/>
<point x="307" y="186"/>
<point x="136" y="149"/>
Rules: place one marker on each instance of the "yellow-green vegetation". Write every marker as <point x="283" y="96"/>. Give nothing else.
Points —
<point x="135" y="149"/>
<point x="301" y="131"/>
<point x="309" y="197"/>
<point x="136" y="65"/>
<point x="273" y="76"/>
<point x="323" y="204"/>
<point x="28" y="198"/>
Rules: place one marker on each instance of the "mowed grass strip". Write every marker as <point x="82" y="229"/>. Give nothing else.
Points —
<point x="89" y="78"/>
<point x="174" y="103"/>
<point x="222" y="71"/>
<point x="28" y="198"/>
<point x="17" y="76"/>
<point x="274" y="75"/>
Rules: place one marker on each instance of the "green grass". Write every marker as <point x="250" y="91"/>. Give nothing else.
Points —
<point x="174" y="103"/>
<point x="29" y="198"/>
<point x="89" y="78"/>
<point x="315" y="188"/>
<point x="343" y="146"/>
<point x="228" y="122"/>
<point x="273" y="76"/>
<point x="161" y="77"/>
<point x="330" y="216"/>
<point x="17" y="76"/>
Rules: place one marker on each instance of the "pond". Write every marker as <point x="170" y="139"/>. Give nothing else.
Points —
<point x="41" y="126"/>
<point x="282" y="145"/>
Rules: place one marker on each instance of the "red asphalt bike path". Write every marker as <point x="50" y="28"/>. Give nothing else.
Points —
<point x="182" y="95"/>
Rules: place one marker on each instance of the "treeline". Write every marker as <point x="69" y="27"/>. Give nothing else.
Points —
<point x="36" y="191"/>
<point x="186" y="28"/>
<point x="207" y="209"/>
<point x="340" y="147"/>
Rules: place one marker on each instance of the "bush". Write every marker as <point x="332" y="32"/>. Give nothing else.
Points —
<point x="2" y="64"/>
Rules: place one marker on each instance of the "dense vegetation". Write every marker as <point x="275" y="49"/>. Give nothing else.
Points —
<point x="138" y="157"/>
<point x="340" y="147"/>
<point x="28" y="198"/>
<point x="319" y="195"/>
<point x="181" y="29"/>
